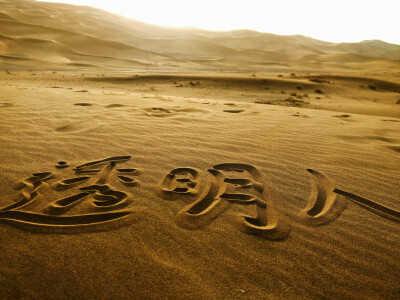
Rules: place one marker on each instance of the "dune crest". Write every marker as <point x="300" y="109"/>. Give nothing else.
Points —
<point x="38" y="35"/>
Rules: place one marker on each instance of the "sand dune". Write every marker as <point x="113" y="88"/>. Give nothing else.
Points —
<point x="127" y="44"/>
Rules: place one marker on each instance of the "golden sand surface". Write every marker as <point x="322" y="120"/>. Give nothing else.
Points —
<point x="141" y="162"/>
<point x="118" y="185"/>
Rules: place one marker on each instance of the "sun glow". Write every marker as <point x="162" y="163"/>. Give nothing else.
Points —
<point x="335" y="21"/>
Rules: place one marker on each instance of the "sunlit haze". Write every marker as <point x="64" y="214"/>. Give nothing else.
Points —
<point x="335" y="21"/>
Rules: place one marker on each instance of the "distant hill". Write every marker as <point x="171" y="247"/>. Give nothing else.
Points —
<point x="40" y="35"/>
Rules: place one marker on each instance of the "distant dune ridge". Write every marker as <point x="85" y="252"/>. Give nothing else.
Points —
<point x="40" y="35"/>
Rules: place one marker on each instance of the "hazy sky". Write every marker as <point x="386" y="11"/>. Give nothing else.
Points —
<point x="335" y="20"/>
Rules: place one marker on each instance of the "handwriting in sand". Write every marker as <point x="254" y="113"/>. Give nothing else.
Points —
<point x="99" y="189"/>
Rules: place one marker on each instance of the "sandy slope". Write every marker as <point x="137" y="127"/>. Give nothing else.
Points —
<point x="39" y="35"/>
<point x="80" y="118"/>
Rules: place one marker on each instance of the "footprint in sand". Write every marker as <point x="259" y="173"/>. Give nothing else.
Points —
<point x="158" y="112"/>
<point x="83" y="104"/>
<point x="115" y="105"/>
<point x="172" y="111"/>
<point x="344" y="116"/>
<point x="233" y="111"/>
<point x="300" y="115"/>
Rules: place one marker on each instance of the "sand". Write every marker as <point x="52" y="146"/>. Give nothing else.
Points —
<point x="145" y="189"/>
<point x="132" y="167"/>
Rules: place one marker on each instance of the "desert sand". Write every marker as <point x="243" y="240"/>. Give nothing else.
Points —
<point x="185" y="182"/>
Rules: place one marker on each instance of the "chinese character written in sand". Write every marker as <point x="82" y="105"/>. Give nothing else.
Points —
<point x="91" y="182"/>
<point x="242" y="184"/>
<point x="93" y="199"/>
<point x="226" y="185"/>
